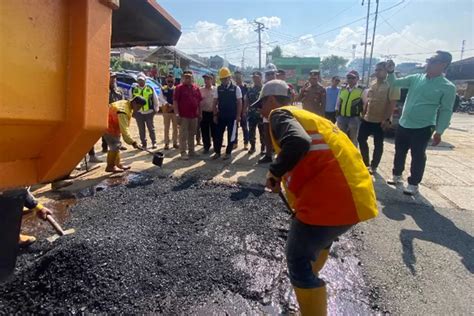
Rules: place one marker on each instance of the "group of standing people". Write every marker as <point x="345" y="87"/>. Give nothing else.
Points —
<point x="207" y="112"/>
<point x="362" y="112"/>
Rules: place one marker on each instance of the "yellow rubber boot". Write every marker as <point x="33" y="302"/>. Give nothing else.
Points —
<point x="119" y="164"/>
<point x="313" y="302"/>
<point x="25" y="240"/>
<point x="320" y="261"/>
<point x="111" y="160"/>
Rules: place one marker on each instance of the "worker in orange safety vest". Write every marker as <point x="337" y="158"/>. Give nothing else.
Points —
<point x="326" y="185"/>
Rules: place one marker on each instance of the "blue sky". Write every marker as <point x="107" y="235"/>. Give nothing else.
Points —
<point x="407" y="32"/>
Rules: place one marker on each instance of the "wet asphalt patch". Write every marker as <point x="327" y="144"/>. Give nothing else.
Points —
<point x="172" y="246"/>
<point x="152" y="245"/>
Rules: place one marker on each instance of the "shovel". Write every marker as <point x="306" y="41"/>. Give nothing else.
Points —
<point x="285" y="201"/>
<point x="157" y="157"/>
<point x="60" y="231"/>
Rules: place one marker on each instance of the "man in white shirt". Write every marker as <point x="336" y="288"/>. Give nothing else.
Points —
<point x="208" y="128"/>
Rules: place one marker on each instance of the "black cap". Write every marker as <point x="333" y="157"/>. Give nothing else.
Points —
<point x="207" y="75"/>
<point x="281" y="72"/>
<point x="257" y="73"/>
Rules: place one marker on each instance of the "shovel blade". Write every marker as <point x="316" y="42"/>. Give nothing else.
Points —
<point x="56" y="236"/>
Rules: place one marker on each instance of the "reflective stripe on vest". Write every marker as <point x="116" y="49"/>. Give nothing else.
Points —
<point x="330" y="185"/>
<point x="147" y="93"/>
<point x="347" y="99"/>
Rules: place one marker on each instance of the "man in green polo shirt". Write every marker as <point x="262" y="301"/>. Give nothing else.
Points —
<point x="428" y="108"/>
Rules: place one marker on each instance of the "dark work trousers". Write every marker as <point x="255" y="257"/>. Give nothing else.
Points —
<point x="366" y="129"/>
<point x="207" y="129"/>
<point x="104" y="144"/>
<point x="268" y="140"/>
<point x="330" y="116"/>
<point x="245" y="130"/>
<point x="253" y="125"/>
<point x="222" y="125"/>
<point x="146" y="120"/>
<point x="416" y="140"/>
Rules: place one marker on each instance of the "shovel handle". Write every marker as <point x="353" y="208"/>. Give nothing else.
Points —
<point x="55" y="225"/>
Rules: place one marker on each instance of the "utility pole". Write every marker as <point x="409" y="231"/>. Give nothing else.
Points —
<point x="372" y="44"/>
<point x="462" y="48"/>
<point x="260" y="28"/>
<point x="366" y="36"/>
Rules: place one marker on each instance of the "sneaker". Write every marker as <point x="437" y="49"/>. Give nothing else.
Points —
<point x="265" y="159"/>
<point x="226" y="156"/>
<point x="123" y="148"/>
<point x="94" y="159"/>
<point x="143" y="146"/>
<point x="252" y="150"/>
<point x="153" y="146"/>
<point x="215" y="156"/>
<point x="205" y="150"/>
<point x="167" y="147"/>
<point x="372" y="170"/>
<point x="395" y="180"/>
<point x="175" y="146"/>
<point x="184" y="156"/>
<point x="411" y="189"/>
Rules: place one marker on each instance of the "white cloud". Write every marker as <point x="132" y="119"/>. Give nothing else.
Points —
<point x="270" y="22"/>
<point x="207" y="38"/>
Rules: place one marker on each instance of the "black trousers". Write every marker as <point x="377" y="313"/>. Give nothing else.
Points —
<point x="416" y="140"/>
<point x="222" y="125"/>
<point x="330" y="116"/>
<point x="207" y="129"/>
<point x="365" y="130"/>
<point x="253" y="126"/>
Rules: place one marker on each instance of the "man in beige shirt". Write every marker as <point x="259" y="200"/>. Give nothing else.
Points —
<point x="313" y="94"/>
<point x="379" y="102"/>
<point x="207" y="123"/>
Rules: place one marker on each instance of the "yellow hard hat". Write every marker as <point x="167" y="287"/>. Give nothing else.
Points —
<point x="224" y="72"/>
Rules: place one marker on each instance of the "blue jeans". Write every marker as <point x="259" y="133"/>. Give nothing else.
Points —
<point x="303" y="246"/>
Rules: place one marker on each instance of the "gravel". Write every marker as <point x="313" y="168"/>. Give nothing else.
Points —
<point x="155" y="245"/>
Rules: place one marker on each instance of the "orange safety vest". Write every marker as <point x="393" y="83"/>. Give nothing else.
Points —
<point x="330" y="185"/>
<point x="122" y="106"/>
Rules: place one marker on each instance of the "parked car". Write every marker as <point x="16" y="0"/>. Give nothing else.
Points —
<point x="127" y="78"/>
<point x="397" y="112"/>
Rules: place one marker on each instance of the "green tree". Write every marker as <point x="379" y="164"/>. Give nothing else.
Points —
<point x="277" y="52"/>
<point x="333" y="65"/>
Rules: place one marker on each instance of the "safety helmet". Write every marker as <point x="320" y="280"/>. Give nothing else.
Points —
<point x="271" y="68"/>
<point x="224" y="72"/>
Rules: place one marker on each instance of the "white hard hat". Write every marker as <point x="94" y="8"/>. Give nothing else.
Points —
<point x="271" y="68"/>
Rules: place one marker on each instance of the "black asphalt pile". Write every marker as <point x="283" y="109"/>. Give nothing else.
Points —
<point x="155" y="245"/>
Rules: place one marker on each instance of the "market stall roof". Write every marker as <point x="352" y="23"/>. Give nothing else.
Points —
<point x="168" y="54"/>
<point x="143" y="23"/>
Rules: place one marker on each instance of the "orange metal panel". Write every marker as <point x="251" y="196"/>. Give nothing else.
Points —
<point x="53" y="86"/>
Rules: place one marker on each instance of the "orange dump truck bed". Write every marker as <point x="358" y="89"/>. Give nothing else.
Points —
<point x="54" y="63"/>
